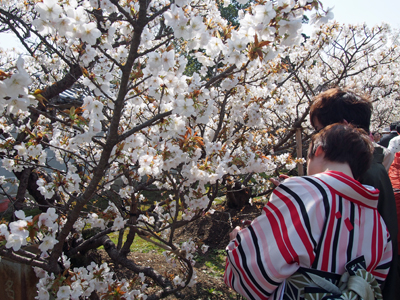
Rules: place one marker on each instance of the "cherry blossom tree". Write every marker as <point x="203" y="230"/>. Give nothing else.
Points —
<point x="352" y="56"/>
<point x="355" y="56"/>
<point x="173" y="103"/>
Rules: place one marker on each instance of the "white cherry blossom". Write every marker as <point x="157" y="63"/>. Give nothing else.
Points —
<point x="15" y="241"/>
<point x="169" y="100"/>
<point x="49" y="9"/>
<point x="47" y="243"/>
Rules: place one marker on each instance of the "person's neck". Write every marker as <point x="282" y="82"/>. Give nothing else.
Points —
<point x="338" y="167"/>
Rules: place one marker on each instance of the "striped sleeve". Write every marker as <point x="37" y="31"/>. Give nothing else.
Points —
<point x="320" y="222"/>
<point x="273" y="247"/>
<point x="383" y="266"/>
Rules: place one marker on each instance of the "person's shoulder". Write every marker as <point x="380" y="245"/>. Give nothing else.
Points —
<point x="389" y="135"/>
<point x="303" y="188"/>
<point x="394" y="144"/>
<point x="396" y="139"/>
<point x="376" y="176"/>
<point x="302" y="182"/>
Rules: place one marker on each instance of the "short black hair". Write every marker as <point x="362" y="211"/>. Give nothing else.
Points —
<point x="337" y="105"/>
<point x="398" y="127"/>
<point x="346" y="144"/>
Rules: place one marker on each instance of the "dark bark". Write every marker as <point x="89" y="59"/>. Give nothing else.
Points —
<point x="64" y="84"/>
<point x="32" y="187"/>
<point x="236" y="196"/>
<point x="22" y="188"/>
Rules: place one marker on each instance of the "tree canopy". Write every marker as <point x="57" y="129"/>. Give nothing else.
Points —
<point x="174" y="103"/>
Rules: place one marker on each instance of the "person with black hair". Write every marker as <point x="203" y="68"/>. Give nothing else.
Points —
<point x="387" y="137"/>
<point x="376" y="136"/>
<point x="343" y="105"/>
<point x="319" y="226"/>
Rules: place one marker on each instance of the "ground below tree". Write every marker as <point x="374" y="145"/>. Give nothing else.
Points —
<point x="213" y="230"/>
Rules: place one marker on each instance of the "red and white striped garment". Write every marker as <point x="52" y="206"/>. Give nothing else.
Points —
<point x="321" y="222"/>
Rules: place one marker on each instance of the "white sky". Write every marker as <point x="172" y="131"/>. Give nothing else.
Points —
<point x="373" y="12"/>
<point x="9" y="41"/>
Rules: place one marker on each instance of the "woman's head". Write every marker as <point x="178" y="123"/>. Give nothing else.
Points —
<point x="340" y="105"/>
<point x="344" y="144"/>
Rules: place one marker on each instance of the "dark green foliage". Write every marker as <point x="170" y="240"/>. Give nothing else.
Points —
<point x="230" y="13"/>
<point x="192" y="65"/>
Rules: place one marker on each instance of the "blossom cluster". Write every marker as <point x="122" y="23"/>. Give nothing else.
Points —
<point x="44" y="228"/>
<point x="69" y="20"/>
<point x="172" y="100"/>
<point x="14" y="94"/>
<point x="83" y="281"/>
<point x="100" y="220"/>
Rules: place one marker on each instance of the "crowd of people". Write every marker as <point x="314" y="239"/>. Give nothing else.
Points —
<point x="332" y="234"/>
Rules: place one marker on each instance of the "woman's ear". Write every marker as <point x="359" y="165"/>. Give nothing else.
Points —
<point x="319" y="151"/>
